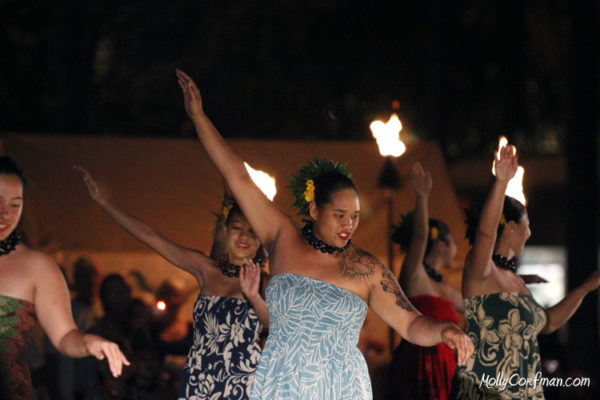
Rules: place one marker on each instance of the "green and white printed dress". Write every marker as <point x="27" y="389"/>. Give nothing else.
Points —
<point x="506" y="361"/>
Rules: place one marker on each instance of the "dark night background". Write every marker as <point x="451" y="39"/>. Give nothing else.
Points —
<point x="464" y="72"/>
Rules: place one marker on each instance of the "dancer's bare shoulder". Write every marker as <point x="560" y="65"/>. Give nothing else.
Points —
<point x="355" y="263"/>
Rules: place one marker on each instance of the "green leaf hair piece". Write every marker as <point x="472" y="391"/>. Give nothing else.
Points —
<point x="312" y="170"/>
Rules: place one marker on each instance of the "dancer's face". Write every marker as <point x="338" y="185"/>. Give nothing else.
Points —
<point x="336" y="221"/>
<point x="242" y="242"/>
<point x="11" y="204"/>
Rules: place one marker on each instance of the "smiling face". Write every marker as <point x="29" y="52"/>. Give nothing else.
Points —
<point x="337" y="220"/>
<point x="242" y="242"/>
<point x="11" y="204"/>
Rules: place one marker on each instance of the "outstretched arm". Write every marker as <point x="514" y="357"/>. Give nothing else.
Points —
<point x="250" y="283"/>
<point x="388" y="301"/>
<point x="53" y="310"/>
<point x="189" y="260"/>
<point x="264" y="217"/>
<point x="420" y="180"/>
<point x="560" y="313"/>
<point x="478" y="266"/>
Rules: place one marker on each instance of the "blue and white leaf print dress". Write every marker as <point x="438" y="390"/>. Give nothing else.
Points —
<point x="222" y="360"/>
<point x="311" y="350"/>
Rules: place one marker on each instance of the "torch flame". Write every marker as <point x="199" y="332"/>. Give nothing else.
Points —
<point x="515" y="185"/>
<point x="161" y="305"/>
<point x="387" y="136"/>
<point x="264" y="181"/>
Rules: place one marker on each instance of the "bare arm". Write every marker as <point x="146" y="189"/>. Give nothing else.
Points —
<point x="250" y="283"/>
<point x="478" y="267"/>
<point x="560" y="313"/>
<point x="265" y="218"/>
<point x="421" y="183"/>
<point x="53" y="310"/>
<point x="388" y="301"/>
<point x="189" y="260"/>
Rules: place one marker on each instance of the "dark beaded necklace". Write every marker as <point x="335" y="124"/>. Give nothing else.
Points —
<point x="433" y="273"/>
<point x="10" y="243"/>
<point x="230" y="270"/>
<point x="504" y="262"/>
<point x="320" y="245"/>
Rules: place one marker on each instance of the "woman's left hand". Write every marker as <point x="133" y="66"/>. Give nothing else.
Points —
<point x="250" y="279"/>
<point x="458" y="341"/>
<point x="102" y="348"/>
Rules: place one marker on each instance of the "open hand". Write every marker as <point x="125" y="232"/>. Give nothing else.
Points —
<point x="93" y="189"/>
<point x="458" y="341"/>
<point x="102" y="348"/>
<point x="505" y="163"/>
<point x="420" y="179"/>
<point x="192" y="99"/>
<point x="250" y="279"/>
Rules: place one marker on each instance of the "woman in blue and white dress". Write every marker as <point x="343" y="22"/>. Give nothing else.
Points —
<point x="321" y="284"/>
<point x="229" y="312"/>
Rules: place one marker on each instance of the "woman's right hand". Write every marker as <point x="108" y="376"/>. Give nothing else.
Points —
<point x="93" y="189"/>
<point x="506" y="163"/>
<point x="420" y="179"/>
<point x="191" y="94"/>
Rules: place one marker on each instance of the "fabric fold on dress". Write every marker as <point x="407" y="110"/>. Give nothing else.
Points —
<point x="17" y="319"/>
<point x="418" y="372"/>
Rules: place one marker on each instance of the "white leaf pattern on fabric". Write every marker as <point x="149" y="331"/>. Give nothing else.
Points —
<point x="222" y="360"/>
<point x="311" y="350"/>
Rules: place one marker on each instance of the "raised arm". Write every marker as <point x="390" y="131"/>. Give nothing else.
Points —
<point x="266" y="219"/>
<point x="478" y="266"/>
<point x="192" y="261"/>
<point x="53" y="310"/>
<point x="420" y="180"/>
<point x="389" y="302"/>
<point x="561" y="312"/>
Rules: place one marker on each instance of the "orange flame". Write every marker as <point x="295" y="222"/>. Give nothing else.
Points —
<point x="264" y="181"/>
<point x="161" y="305"/>
<point x="387" y="136"/>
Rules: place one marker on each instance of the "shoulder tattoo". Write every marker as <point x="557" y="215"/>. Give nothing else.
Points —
<point x="390" y="285"/>
<point x="356" y="263"/>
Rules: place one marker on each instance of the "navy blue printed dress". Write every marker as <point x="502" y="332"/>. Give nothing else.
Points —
<point x="223" y="358"/>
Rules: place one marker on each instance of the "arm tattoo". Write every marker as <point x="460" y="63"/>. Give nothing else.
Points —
<point x="356" y="263"/>
<point x="390" y="285"/>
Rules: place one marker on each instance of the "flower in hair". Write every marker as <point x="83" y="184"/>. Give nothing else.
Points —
<point x="434" y="233"/>
<point x="225" y="210"/>
<point x="302" y="184"/>
<point x="309" y="193"/>
<point x="503" y="220"/>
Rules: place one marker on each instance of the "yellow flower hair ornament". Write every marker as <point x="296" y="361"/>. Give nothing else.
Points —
<point x="434" y="233"/>
<point x="309" y="193"/>
<point x="225" y="211"/>
<point x="503" y="220"/>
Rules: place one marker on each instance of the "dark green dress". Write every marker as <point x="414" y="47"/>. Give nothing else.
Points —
<point x="17" y="318"/>
<point x="506" y="361"/>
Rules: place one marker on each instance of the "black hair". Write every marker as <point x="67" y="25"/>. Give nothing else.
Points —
<point x="402" y="233"/>
<point x="235" y="210"/>
<point x="8" y="166"/>
<point x="512" y="210"/>
<point x="328" y="184"/>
